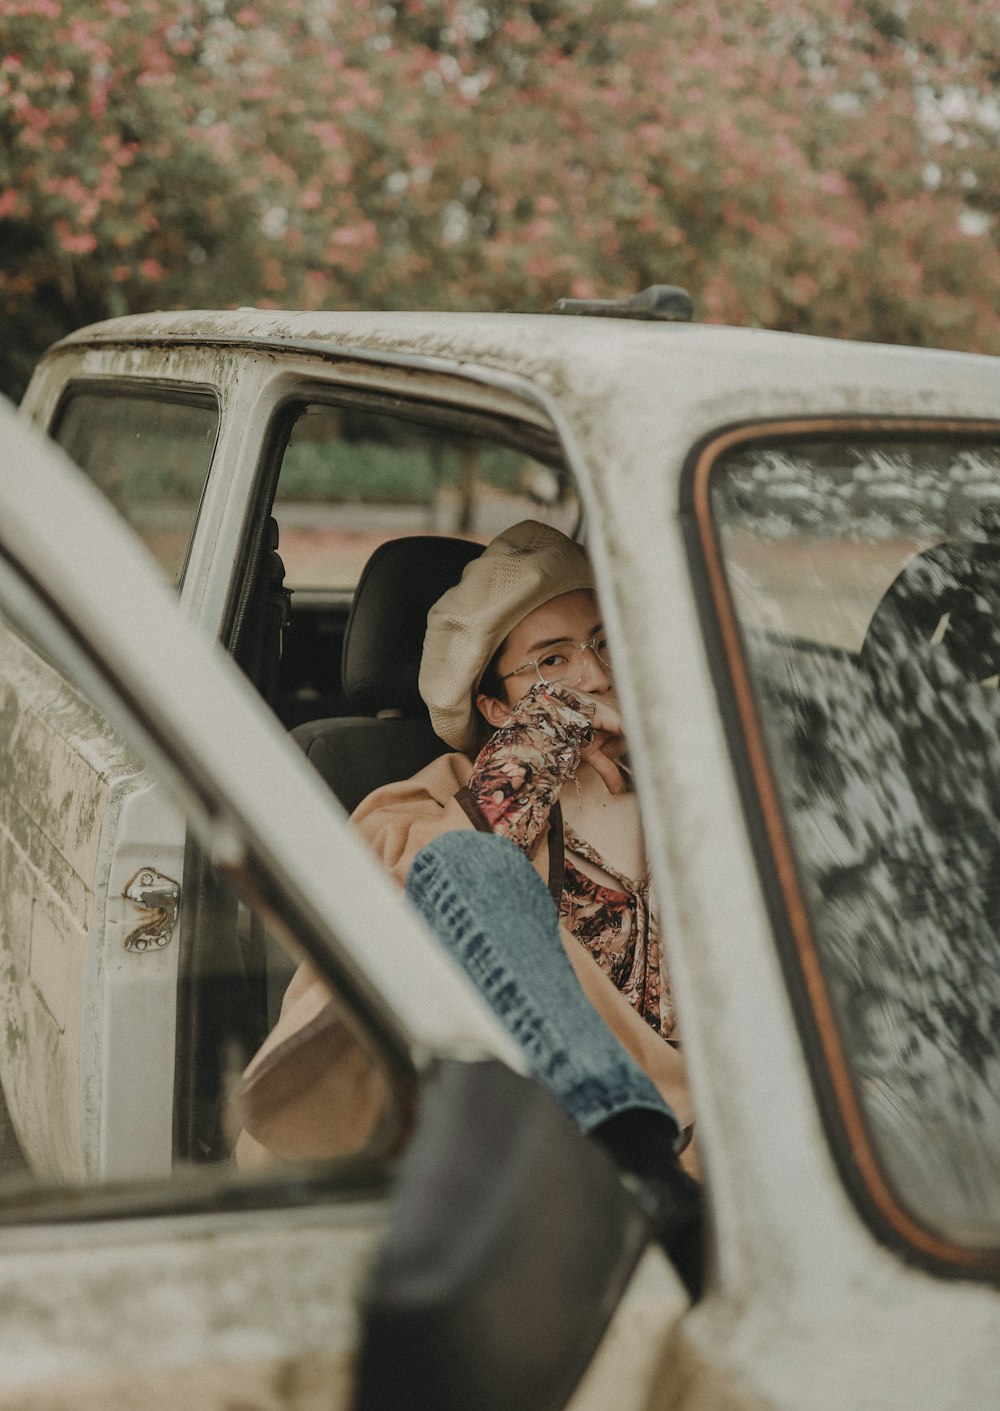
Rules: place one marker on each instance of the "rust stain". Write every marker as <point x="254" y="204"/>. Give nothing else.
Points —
<point x="158" y="898"/>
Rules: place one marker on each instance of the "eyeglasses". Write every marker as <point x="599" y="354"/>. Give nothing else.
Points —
<point x="565" y="663"/>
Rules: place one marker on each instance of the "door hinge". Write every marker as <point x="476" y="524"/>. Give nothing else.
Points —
<point x="159" y="897"/>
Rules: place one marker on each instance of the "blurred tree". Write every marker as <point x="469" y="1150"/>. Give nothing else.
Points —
<point x="831" y="166"/>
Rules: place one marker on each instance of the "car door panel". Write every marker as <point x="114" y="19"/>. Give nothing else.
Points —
<point x="70" y="1022"/>
<point x="130" y="987"/>
<point x="263" y="1302"/>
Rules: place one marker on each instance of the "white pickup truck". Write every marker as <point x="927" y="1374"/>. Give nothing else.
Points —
<point x="797" y="548"/>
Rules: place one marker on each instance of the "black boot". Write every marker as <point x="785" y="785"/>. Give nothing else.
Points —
<point x="643" y="1144"/>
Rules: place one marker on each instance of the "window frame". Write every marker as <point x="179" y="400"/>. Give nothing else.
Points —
<point x="96" y="653"/>
<point x="147" y="389"/>
<point x="542" y="444"/>
<point x="830" y="1070"/>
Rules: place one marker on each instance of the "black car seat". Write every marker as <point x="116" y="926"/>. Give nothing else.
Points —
<point x="264" y="615"/>
<point x="390" y="737"/>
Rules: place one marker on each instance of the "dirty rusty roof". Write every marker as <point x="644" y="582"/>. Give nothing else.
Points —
<point x="766" y="371"/>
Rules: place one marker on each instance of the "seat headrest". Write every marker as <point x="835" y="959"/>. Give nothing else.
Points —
<point x="384" y="637"/>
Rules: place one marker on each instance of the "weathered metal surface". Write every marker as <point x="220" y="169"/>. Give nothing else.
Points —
<point x="261" y="1306"/>
<point x="59" y="774"/>
<point x="804" y="1308"/>
<point x="610" y="367"/>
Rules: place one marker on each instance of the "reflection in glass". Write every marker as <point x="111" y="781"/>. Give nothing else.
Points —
<point x="150" y="456"/>
<point x="866" y="577"/>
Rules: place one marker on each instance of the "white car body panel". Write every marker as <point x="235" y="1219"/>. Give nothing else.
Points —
<point x="258" y="1306"/>
<point x="129" y="1016"/>
<point x="76" y="1074"/>
<point x="805" y="1309"/>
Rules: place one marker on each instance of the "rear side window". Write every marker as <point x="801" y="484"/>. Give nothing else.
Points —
<point x="150" y="455"/>
<point x="856" y="580"/>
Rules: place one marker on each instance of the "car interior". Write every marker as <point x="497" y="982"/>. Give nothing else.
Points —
<point x="378" y="731"/>
<point x="339" y="667"/>
<point x="363" y="509"/>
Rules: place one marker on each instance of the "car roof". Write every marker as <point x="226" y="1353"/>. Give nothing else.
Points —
<point x="523" y="342"/>
<point x="622" y="385"/>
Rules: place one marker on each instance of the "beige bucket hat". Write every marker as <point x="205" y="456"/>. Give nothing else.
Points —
<point x="522" y="568"/>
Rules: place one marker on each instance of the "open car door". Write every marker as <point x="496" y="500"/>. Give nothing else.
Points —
<point x="489" y="1290"/>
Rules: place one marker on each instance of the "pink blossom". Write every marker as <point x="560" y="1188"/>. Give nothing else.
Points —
<point x="328" y="133"/>
<point x="152" y="270"/>
<point x="833" y="183"/>
<point x="44" y="9"/>
<point x="538" y="230"/>
<point x="540" y="266"/>
<point x="274" y="278"/>
<point x="804" y="289"/>
<point x="79" y="243"/>
<point x="84" y="34"/>
<point x="844" y="236"/>
<point x="362" y="236"/>
<point x="36" y="120"/>
<point x="315" y="284"/>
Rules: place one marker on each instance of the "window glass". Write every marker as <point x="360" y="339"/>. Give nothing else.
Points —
<point x="865" y="575"/>
<point x="352" y="478"/>
<point x="150" y="456"/>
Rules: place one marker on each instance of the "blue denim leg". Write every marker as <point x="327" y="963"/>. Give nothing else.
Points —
<point x="486" y="902"/>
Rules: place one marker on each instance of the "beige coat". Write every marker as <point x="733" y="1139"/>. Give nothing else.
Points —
<point x="311" y="1092"/>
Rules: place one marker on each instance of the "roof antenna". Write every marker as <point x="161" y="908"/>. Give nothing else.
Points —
<point x="666" y="302"/>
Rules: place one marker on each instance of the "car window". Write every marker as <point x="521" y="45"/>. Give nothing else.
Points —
<point x="862" y="579"/>
<point x="149" y="454"/>
<point x="352" y="477"/>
